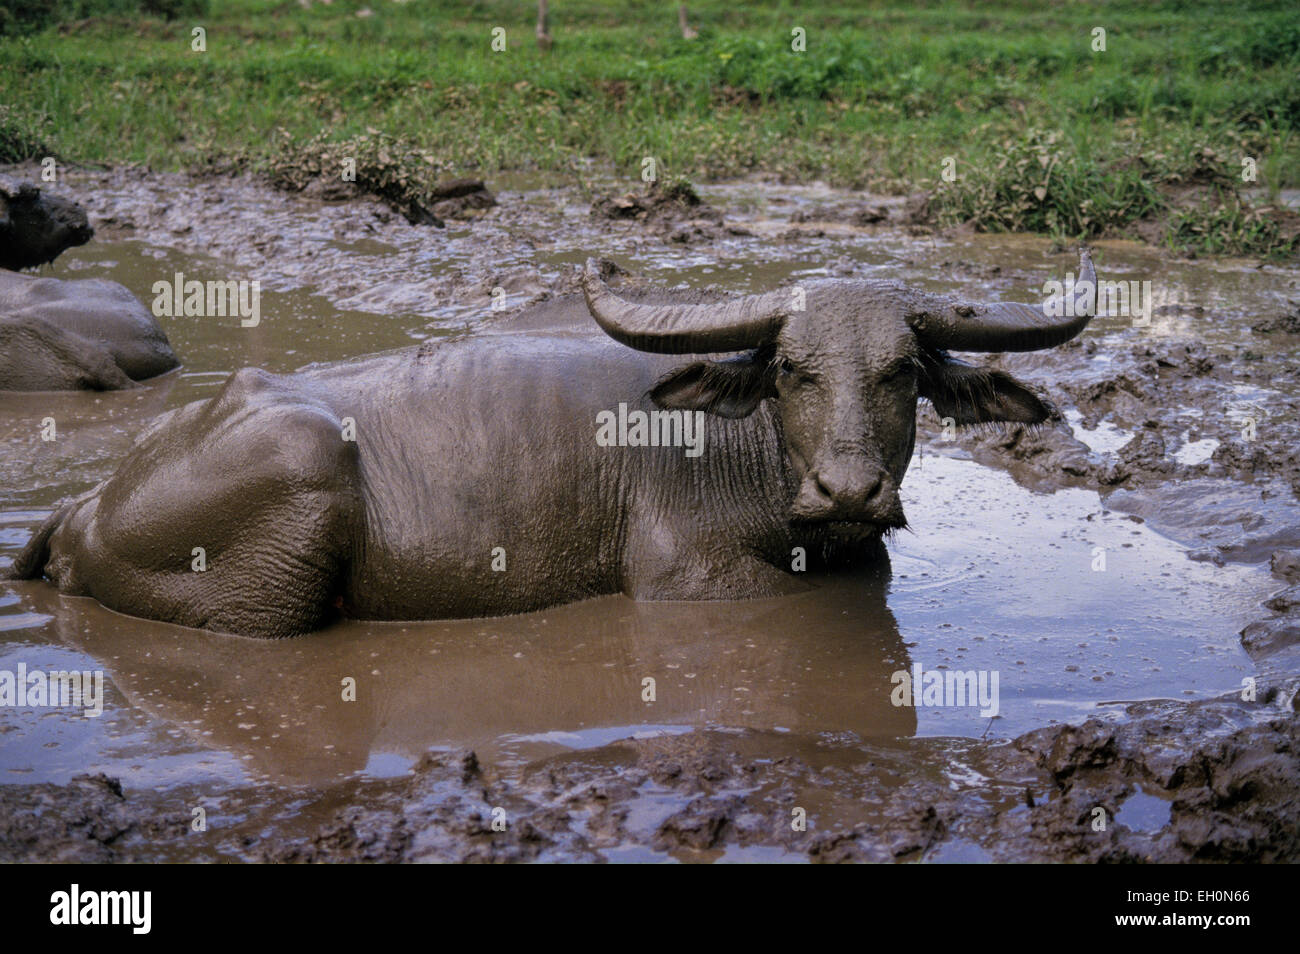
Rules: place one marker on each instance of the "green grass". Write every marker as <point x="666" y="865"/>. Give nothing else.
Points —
<point x="1224" y="225"/>
<point x="883" y="94"/>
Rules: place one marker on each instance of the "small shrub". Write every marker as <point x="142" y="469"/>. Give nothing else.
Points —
<point x="22" y="136"/>
<point x="391" y="168"/>
<point x="1039" y="185"/>
<point x="1229" y="225"/>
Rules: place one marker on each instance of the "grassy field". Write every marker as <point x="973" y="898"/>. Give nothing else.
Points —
<point x="1044" y="132"/>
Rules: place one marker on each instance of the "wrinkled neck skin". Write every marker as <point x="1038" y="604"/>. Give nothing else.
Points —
<point x="740" y="491"/>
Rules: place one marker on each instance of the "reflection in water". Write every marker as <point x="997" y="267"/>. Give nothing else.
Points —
<point x="512" y="687"/>
<point x="53" y="444"/>
<point x="996" y="578"/>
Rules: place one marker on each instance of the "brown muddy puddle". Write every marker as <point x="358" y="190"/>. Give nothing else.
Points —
<point x="996" y="578"/>
<point x="993" y="577"/>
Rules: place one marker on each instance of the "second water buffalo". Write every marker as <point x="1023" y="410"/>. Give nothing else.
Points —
<point x="69" y="335"/>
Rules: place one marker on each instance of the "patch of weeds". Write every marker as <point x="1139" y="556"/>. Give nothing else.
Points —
<point x="1227" y="224"/>
<point x="1040" y="185"/>
<point x="391" y="168"/>
<point x="679" y="189"/>
<point x="23" y="136"/>
<point x="29" y="16"/>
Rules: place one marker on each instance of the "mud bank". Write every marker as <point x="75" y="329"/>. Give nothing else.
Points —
<point x="1213" y="781"/>
<point x="1174" y="450"/>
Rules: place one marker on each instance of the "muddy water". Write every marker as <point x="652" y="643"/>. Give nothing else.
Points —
<point x="1076" y="607"/>
<point x="1065" y="639"/>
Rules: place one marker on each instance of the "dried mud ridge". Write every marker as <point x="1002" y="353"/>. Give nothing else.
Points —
<point x="461" y="199"/>
<point x="674" y="212"/>
<point x="1224" y="771"/>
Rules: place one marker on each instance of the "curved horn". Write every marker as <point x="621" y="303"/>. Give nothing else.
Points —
<point x="1010" y="326"/>
<point x="684" y="329"/>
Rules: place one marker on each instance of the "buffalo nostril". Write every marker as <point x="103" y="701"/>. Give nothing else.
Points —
<point x="875" y="488"/>
<point x="823" y="487"/>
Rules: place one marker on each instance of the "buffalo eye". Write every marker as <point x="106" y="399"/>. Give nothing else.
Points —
<point x="791" y="373"/>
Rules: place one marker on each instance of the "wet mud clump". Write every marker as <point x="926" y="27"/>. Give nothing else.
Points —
<point x="1286" y="321"/>
<point x="87" y="820"/>
<point x="463" y="199"/>
<point x="1170" y="782"/>
<point x="672" y="209"/>
<point x="860" y="214"/>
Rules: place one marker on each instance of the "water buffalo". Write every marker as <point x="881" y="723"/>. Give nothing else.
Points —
<point x="469" y="477"/>
<point x="35" y="226"/>
<point x="89" y="334"/>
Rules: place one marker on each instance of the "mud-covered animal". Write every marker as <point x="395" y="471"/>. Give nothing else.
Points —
<point x="35" y="227"/>
<point x="87" y="334"/>
<point x="482" y="476"/>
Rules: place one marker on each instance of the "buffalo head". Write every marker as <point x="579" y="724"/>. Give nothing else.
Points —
<point x="36" y="227"/>
<point x="845" y="362"/>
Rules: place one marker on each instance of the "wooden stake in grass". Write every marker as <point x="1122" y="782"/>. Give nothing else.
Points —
<point x="687" y="32"/>
<point x="544" y="41"/>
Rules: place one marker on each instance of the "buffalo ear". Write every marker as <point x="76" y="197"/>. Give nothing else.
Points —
<point x="733" y="387"/>
<point x="972" y="395"/>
